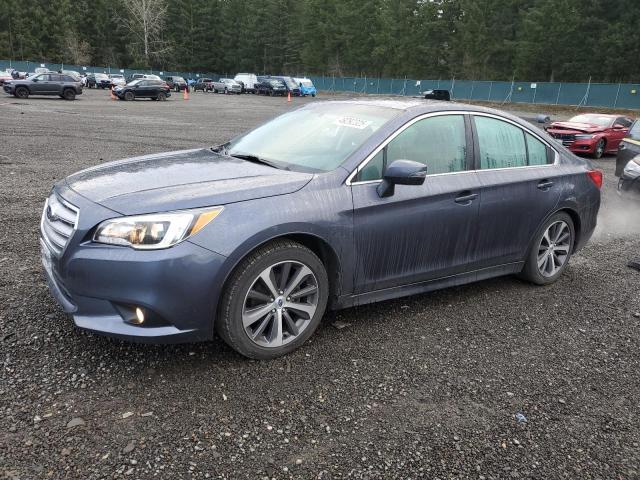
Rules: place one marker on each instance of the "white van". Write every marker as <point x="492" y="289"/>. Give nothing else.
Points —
<point x="249" y="81"/>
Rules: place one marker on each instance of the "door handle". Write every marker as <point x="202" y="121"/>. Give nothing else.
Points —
<point x="545" y="185"/>
<point x="466" y="198"/>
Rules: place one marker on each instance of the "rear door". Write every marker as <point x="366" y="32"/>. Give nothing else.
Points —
<point x="520" y="187"/>
<point x="420" y="232"/>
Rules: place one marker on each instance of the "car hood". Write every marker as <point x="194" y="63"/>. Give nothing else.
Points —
<point x="576" y="127"/>
<point x="181" y="180"/>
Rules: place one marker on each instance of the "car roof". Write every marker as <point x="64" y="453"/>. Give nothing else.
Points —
<point x="606" y="115"/>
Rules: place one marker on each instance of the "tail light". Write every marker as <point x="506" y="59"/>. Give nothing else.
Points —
<point x="596" y="177"/>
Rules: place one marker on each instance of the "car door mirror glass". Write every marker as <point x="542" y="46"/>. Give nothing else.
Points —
<point x="401" y="172"/>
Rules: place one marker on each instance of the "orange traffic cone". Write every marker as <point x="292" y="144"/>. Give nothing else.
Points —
<point x="185" y="95"/>
<point x="289" y="97"/>
<point x="113" y="96"/>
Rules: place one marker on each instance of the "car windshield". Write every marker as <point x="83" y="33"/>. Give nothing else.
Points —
<point x="134" y="82"/>
<point x="635" y="131"/>
<point x="178" y="79"/>
<point x="316" y="139"/>
<point x="276" y="83"/>
<point x="306" y="83"/>
<point x="117" y="76"/>
<point x="594" y="119"/>
<point x="101" y="76"/>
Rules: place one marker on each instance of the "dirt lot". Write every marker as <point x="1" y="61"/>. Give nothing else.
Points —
<point x="423" y="387"/>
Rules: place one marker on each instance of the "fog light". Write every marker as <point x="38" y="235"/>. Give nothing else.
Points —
<point x="139" y="316"/>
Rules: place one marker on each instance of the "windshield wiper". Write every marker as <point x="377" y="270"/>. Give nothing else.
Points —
<point x="255" y="159"/>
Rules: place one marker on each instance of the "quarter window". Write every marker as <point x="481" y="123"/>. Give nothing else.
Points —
<point x="539" y="153"/>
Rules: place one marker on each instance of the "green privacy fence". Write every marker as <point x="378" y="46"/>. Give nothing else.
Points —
<point x="613" y="95"/>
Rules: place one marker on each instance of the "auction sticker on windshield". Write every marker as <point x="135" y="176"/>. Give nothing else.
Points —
<point x="352" y="122"/>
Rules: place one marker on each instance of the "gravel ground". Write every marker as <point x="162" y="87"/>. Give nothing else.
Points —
<point x="494" y="380"/>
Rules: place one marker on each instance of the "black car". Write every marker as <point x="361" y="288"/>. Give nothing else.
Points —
<point x="176" y="83"/>
<point x="270" y="86"/>
<point x="628" y="163"/>
<point x="64" y="86"/>
<point x="291" y="84"/>
<point x="443" y="95"/>
<point x="143" y="88"/>
<point x="98" y="80"/>
<point x="203" y="84"/>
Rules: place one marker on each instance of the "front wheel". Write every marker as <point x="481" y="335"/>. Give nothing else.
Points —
<point x="129" y="96"/>
<point x="551" y="250"/>
<point x="599" y="150"/>
<point x="274" y="301"/>
<point x="69" y="94"/>
<point x="22" y="92"/>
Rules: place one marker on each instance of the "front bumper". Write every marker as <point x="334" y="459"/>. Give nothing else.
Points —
<point x="583" y="146"/>
<point x="101" y="285"/>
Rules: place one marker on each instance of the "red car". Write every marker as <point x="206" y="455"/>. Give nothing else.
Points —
<point x="5" y="77"/>
<point x="591" y="133"/>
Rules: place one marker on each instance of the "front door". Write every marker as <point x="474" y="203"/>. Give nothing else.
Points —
<point x="420" y="232"/>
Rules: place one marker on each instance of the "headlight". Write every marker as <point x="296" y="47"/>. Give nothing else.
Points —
<point x="632" y="170"/>
<point x="154" y="231"/>
<point x="584" y="136"/>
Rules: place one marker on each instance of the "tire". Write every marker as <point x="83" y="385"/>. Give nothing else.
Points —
<point x="540" y="267"/>
<point x="600" y="148"/>
<point x="21" y="92"/>
<point x="313" y="95"/>
<point x="69" y="94"/>
<point x="129" y="96"/>
<point x="161" y="97"/>
<point x="246" y="298"/>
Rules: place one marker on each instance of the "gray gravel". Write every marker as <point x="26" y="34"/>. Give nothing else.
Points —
<point x="493" y="380"/>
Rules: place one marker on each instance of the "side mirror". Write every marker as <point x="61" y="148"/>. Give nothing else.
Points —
<point x="401" y="172"/>
<point x="35" y="80"/>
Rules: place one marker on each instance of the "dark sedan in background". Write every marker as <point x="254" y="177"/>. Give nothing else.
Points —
<point x="143" y="88"/>
<point x="270" y="86"/>
<point x="628" y="163"/>
<point x="64" y="86"/>
<point x="591" y="133"/>
<point x="328" y="206"/>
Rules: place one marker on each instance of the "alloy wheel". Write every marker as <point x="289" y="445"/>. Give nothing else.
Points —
<point x="600" y="148"/>
<point x="280" y="304"/>
<point x="554" y="247"/>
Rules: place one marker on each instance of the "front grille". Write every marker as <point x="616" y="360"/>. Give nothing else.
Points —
<point x="566" y="138"/>
<point x="59" y="221"/>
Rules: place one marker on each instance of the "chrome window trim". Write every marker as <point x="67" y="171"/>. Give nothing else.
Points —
<point x="349" y="181"/>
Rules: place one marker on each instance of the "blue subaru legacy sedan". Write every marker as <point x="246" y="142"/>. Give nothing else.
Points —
<point x="335" y="204"/>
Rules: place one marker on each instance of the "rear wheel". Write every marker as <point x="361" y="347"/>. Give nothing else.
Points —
<point x="22" y="92"/>
<point x="161" y="96"/>
<point x="600" y="147"/>
<point x="69" y="94"/>
<point x="551" y="250"/>
<point x="129" y="96"/>
<point x="274" y="300"/>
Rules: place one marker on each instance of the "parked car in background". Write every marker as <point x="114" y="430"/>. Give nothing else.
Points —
<point x="591" y="133"/>
<point x="270" y="86"/>
<point x="176" y="83"/>
<point x="437" y="94"/>
<point x="65" y="86"/>
<point x="227" y="85"/>
<point x="306" y="87"/>
<point x="629" y="148"/>
<point x="248" y="81"/>
<point x="290" y="84"/>
<point x="41" y="70"/>
<point x="73" y="73"/>
<point x="409" y="205"/>
<point x="117" y="79"/>
<point x="5" y="77"/>
<point x="143" y="88"/>
<point x="147" y="76"/>
<point x="204" y="85"/>
<point x="98" y="80"/>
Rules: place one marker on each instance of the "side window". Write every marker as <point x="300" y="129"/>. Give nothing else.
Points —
<point x="438" y="142"/>
<point x="625" y="122"/>
<point x="55" y="77"/>
<point x="43" y="77"/>
<point x="539" y="153"/>
<point x="502" y="145"/>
